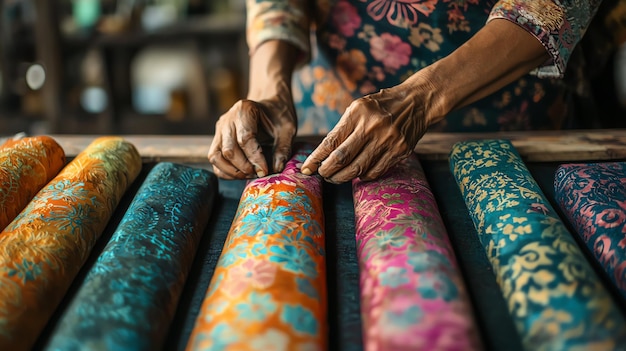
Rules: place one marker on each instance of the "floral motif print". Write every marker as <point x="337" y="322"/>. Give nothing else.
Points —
<point x="555" y="298"/>
<point x="390" y="50"/>
<point x="26" y="166"/>
<point x="43" y="249"/>
<point x="400" y="13"/>
<point x="271" y="293"/>
<point x="396" y="38"/>
<point x="140" y="274"/>
<point x="412" y="292"/>
<point x="593" y="197"/>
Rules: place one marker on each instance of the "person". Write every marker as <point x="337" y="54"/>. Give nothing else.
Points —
<point x="377" y="74"/>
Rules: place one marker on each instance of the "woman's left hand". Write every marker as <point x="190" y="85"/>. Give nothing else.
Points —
<point x="375" y="132"/>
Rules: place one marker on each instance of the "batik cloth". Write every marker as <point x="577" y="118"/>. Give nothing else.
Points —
<point x="129" y="297"/>
<point x="268" y="291"/>
<point x="43" y="249"/>
<point x="555" y="298"/>
<point x="593" y="198"/>
<point x="26" y="166"/>
<point x="412" y="293"/>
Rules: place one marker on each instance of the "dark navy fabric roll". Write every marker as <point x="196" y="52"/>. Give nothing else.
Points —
<point x="129" y="297"/>
<point x="593" y="198"/>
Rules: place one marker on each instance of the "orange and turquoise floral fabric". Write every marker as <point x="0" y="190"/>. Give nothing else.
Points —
<point x="268" y="291"/>
<point x="413" y="296"/>
<point x="555" y="298"/>
<point x="26" y="166"/>
<point x="362" y="46"/>
<point x="593" y="198"/>
<point x="45" y="246"/>
<point x="128" y="299"/>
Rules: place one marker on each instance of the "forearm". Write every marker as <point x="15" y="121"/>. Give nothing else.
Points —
<point x="497" y="55"/>
<point x="278" y="38"/>
<point x="271" y="68"/>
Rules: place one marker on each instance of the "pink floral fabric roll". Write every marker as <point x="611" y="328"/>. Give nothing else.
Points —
<point x="412" y="293"/>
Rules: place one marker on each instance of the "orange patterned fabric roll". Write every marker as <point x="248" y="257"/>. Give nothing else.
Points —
<point x="26" y="165"/>
<point x="268" y="291"/>
<point x="43" y="249"/>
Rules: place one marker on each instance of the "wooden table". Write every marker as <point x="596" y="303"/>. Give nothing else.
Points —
<point x="536" y="146"/>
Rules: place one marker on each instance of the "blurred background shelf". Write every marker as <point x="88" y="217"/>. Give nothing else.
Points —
<point x="116" y="66"/>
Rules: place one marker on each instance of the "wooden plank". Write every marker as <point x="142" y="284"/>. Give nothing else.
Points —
<point x="533" y="146"/>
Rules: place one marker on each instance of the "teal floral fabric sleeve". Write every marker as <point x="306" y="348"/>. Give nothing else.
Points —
<point x="128" y="299"/>
<point x="555" y="298"/>
<point x="286" y="20"/>
<point x="558" y="25"/>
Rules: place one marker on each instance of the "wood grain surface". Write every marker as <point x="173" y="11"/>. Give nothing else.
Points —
<point x="533" y="146"/>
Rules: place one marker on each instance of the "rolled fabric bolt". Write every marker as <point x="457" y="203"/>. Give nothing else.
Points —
<point x="412" y="293"/>
<point x="269" y="287"/>
<point x="554" y="296"/>
<point x="593" y="198"/>
<point x="26" y="166"/>
<point x="129" y="297"/>
<point x="44" y="247"/>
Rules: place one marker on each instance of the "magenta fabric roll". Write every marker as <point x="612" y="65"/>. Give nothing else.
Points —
<point x="412" y="293"/>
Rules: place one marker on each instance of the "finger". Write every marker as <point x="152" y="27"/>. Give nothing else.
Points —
<point x="282" y="148"/>
<point x="344" y="155"/>
<point x="381" y="167"/>
<point x="246" y="125"/>
<point x="224" y="167"/>
<point x="360" y="165"/>
<point x="218" y="172"/>
<point x="332" y="140"/>
<point x="232" y="153"/>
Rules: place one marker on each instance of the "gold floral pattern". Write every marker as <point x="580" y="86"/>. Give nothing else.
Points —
<point x="553" y="293"/>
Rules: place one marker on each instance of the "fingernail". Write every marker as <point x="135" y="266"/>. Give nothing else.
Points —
<point x="306" y="171"/>
<point x="260" y="173"/>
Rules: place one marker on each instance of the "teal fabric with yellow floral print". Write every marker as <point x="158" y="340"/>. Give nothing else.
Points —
<point x="128" y="299"/>
<point x="555" y="298"/>
<point x="362" y="46"/>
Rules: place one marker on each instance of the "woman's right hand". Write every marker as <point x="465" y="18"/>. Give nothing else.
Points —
<point x="267" y="115"/>
<point x="236" y="151"/>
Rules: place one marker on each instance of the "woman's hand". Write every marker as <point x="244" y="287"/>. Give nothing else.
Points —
<point x="376" y="132"/>
<point x="236" y="151"/>
<point x="267" y="115"/>
<point x="379" y="130"/>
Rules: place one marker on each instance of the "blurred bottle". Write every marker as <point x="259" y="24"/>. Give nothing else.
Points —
<point x="86" y="13"/>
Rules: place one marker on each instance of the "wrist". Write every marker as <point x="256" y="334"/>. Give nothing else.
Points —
<point x="270" y="89"/>
<point x="428" y="90"/>
<point x="271" y="69"/>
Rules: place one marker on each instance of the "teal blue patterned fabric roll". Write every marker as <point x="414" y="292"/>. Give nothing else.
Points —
<point x="554" y="296"/>
<point x="129" y="297"/>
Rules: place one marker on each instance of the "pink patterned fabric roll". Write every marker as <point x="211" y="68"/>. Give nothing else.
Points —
<point x="412" y="293"/>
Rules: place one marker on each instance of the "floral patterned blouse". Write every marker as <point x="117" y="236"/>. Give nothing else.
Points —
<point x="362" y="46"/>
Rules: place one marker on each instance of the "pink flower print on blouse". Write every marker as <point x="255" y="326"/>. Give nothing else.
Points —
<point x="390" y="50"/>
<point x="346" y="18"/>
<point x="401" y="13"/>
